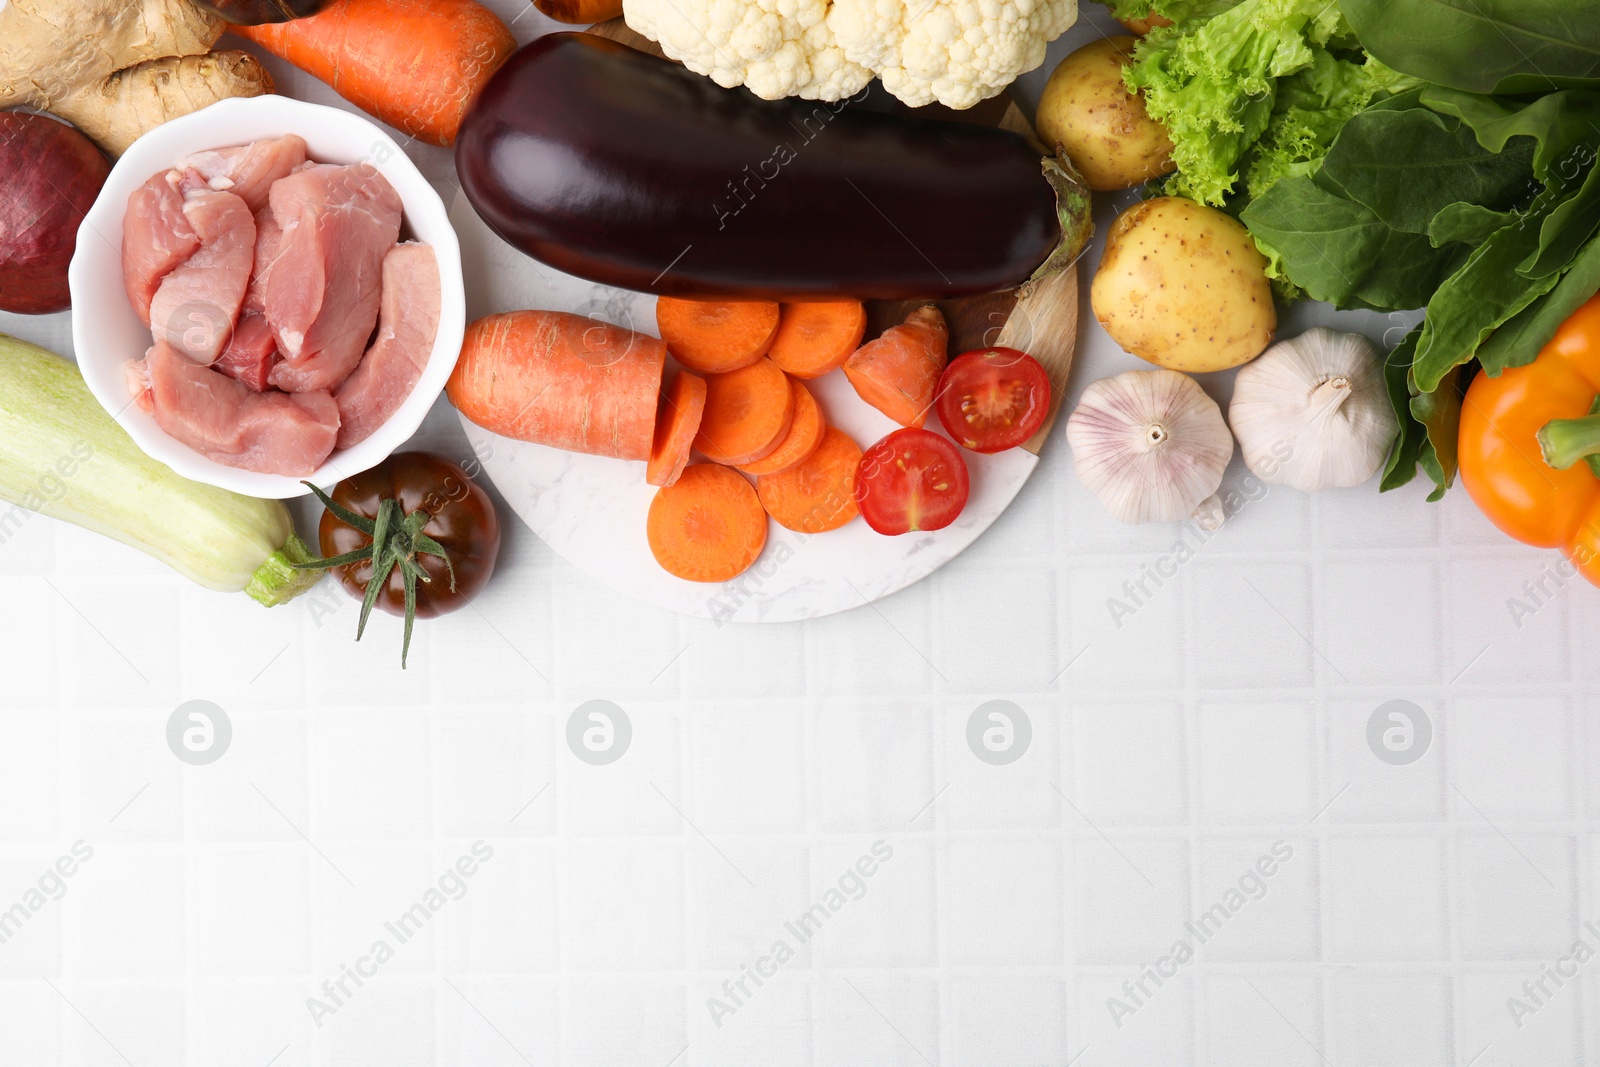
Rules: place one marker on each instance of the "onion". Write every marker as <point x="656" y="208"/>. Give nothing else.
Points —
<point x="50" y="175"/>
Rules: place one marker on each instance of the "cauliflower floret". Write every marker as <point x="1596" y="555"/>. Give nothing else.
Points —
<point x="957" y="52"/>
<point x="776" y="48"/>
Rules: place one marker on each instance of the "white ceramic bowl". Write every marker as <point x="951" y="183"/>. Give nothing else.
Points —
<point x="106" y="332"/>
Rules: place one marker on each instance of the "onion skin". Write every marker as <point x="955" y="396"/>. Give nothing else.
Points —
<point x="50" y="175"/>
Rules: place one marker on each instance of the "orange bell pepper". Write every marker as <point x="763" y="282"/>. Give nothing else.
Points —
<point x="1524" y="435"/>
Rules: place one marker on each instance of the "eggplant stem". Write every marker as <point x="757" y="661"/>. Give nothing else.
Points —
<point x="1073" y="213"/>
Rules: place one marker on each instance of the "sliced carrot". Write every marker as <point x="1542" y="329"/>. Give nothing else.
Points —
<point x="708" y="526"/>
<point x="817" y="337"/>
<point x="748" y="413"/>
<point x="819" y="493"/>
<point x="683" y="402"/>
<point x="561" y="380"/>
<point x="899" y="372"/>
<point x="716" y="336"/>
<point x="805" y="434"/>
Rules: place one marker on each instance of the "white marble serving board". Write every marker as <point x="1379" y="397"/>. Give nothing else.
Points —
<point x="592" y="509"/>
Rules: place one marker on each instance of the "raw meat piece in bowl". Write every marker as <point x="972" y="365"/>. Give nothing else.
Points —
<point x="251" y="353"/>
<point x="268" y="238"/>
<point x="325" y="286"/>
<point x="197" y="305"/>
<point x="225" y="420"/>
<point x="156" y="237"/>
<point x="247" y="172"/>
<point x="407" y="326"/>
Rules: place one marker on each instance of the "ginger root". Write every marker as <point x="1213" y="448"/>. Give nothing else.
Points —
<point x="118" y="68"/>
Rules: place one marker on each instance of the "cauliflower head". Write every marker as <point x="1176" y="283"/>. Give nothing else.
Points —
<point x="776" y="48"/>
<point x="955" y="52"/>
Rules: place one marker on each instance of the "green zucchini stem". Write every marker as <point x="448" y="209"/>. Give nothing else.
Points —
<point x="279" y="580"/>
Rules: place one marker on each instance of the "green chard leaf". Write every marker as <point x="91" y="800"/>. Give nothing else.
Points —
<point x="1428" y="460"/>
<point x="1408" y="165"/>
<point x="1466" y="224"/>
<point x="1340" y="251"/>
<point x="1484" y="46"/>
<point x="1518" y="341"/>
<point x="1566" y="229"/>
<point x="1564" y="126"/>
<point x="1439" y="412"/>
<point x="1402" y="465"/>
<point x="1482" y="294"/>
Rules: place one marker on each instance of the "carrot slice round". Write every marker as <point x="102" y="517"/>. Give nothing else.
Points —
<point x="817" y="337"/>
<point x="818" y="494"/>
<point x="708" y="526"/>
<point x="805" y="434"/>
<point x="748" y="413"/>
<point x="683" y="403"/>
<point x="716" y="336"/>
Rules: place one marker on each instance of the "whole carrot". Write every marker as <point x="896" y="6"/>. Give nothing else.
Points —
<point x="415" y="64"/>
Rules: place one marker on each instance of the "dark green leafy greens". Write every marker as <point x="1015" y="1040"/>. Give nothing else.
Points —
<point x="1484" y="46"/>
<point x="1393" y="155"/>
<point x="1480" y="208"/>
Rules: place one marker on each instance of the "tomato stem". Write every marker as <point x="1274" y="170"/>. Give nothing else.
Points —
<point x="397" y="537"/>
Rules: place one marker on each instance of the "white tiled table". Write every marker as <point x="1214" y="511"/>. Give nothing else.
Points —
<point x="1227" y="714"/>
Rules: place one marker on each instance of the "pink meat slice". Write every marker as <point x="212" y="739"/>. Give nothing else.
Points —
<point x="156" y="237"/>
<point x="268" y="238"/>
<point x="251" y="352"/>
<point x="198" y="303"/>
<point x="325" y="287"/>
<point x="247" y="172"/>
<point x="225" y="420"/>
<point x="407" y="325"/>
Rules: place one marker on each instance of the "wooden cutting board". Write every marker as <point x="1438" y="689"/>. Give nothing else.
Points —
<point x="1045" y="325"/>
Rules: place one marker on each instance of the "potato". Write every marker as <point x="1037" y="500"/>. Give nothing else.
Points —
<point x="1088" y="112"/>
<point x="1184" y="286"/>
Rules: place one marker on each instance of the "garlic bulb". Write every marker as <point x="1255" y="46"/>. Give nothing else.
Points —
<point x="1152" y="446"/>
<point x="1314" y="412"/>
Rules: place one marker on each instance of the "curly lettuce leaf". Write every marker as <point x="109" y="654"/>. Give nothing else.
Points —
<point x="1171" y="10"/>
<point x="1214" y="83"/>
<point x="1312" y="106"/>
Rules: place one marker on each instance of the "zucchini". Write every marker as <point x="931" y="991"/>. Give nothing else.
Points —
<point x="62" y="455"/>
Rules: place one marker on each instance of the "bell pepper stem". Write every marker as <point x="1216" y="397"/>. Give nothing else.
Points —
<point x="1566" y="441"/>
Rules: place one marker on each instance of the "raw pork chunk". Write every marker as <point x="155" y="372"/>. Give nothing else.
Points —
<point x="251" y="352"/>
<point x="247" y="172"/>
<point x="225" y="420"/>
<point x="407" y="326"/>
<point x="268" y="238"/>
<point x="326" y="281"/>
<point x="197" y="305"/>
<point x="156" y="237"/>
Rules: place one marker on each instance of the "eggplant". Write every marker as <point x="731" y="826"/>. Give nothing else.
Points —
<point x="261" y="12"/>
<point x="626" y="169"/>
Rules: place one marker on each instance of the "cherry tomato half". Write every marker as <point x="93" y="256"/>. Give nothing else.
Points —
<point x="992" y="399"/>
<point x="911" y="480"/>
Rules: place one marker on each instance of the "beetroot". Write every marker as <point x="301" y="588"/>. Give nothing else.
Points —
<point x="50" y="175"/>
